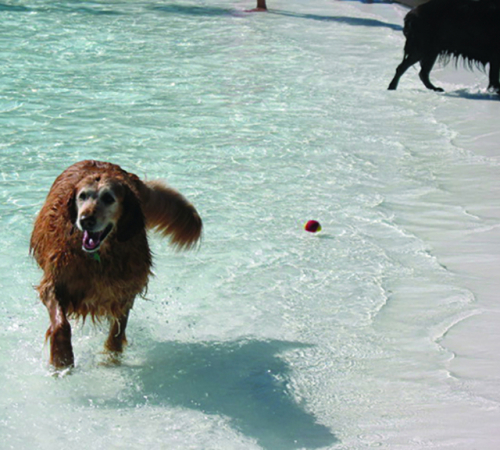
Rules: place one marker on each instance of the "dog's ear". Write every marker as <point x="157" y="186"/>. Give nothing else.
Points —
<point x="71" y="207"/>
<point x="131" y="221"/>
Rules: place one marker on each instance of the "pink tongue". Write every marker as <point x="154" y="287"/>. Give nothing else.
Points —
<point x="91" y="240"/>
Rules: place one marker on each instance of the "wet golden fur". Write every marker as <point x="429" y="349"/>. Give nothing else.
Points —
<point x="90" y="241"/>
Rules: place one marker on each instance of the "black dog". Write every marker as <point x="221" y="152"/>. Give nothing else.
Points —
<point x="468" y="29"/>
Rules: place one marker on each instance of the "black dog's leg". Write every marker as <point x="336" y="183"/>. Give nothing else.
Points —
<point x="426" y="65"/>
<point x="407" y="62"/>
<point x="495" y="75"/>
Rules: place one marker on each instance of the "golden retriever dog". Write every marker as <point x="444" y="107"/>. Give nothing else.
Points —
<point x="90" y="241"/>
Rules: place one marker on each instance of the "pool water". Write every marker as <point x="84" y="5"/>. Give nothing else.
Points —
<point x="380" y="330"/>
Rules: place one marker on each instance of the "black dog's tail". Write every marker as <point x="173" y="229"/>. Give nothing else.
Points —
<point x="417" y="34"/>
<point x="409" y="24"/>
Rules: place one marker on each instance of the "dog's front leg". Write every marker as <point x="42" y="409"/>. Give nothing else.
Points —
<point x="116" y="339"/>
<point x="59" y="332"/>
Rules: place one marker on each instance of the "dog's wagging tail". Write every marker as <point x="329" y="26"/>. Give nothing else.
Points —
<point x="90" y="240"/>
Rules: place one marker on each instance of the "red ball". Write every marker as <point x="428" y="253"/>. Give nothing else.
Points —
<point x="312" y="226"/>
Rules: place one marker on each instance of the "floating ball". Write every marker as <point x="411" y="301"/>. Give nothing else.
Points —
<point x="312" y="226"/>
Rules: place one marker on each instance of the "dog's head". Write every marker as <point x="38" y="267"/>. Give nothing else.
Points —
<point x="106" y="207"/>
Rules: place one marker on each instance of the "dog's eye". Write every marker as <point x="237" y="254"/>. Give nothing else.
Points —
<point x="82" y="196"/>
<point x="107" y="199"/>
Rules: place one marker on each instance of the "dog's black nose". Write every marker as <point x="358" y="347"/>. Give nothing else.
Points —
<point x="87" y="222"/>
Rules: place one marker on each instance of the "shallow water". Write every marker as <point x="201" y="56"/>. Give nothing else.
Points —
<point x="378" y="331"/>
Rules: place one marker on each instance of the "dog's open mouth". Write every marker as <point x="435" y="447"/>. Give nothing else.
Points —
<point x="92" y="240"/>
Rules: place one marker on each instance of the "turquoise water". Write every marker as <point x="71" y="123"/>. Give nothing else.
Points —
<point x="267" y="336"/>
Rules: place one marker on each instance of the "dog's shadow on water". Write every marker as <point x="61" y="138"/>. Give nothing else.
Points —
<point x="245" y="381"/>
